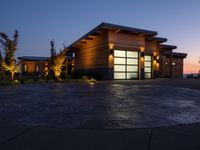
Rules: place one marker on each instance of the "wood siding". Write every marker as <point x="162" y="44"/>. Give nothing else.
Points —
<point x="94" y="54"/>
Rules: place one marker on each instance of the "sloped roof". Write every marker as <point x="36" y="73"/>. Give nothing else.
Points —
<point x="105" y="25"/>
<point x="33" y="58"/>
<point x="175" y="54"/>
<point x="158" y="39"/>
<point x="164" y="46"/>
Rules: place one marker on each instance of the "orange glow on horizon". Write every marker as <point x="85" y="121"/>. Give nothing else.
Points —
<point x="191" y="65"/>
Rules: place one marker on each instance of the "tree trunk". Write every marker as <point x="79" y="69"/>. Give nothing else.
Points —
<point x="12" y="75"/>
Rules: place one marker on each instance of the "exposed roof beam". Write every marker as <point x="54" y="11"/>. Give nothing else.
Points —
<point x="89" y="38"/>
<point x="83" y="42"/>
<point x="142" y="34"/>
<point x="117" y="31"/>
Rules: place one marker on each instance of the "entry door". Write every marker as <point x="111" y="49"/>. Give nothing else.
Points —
<point x="125" y="64"/>
<point x="147" y="67"/>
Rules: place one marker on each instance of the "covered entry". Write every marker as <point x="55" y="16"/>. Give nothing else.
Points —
<point x="125" y="64"/>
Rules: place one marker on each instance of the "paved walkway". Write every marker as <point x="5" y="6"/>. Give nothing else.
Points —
<point x="181" y="137"/>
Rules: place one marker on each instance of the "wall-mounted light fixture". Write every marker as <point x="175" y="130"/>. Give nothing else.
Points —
<point x="142" y="55"/>
<point x="157" y="59"/>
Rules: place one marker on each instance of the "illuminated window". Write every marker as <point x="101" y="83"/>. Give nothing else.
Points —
<point x="25" y="68"/>
<point x="173" y="63"/>
<point x="132" y="68"/>
<point x="119" y="68"/>
<point x="132" y="61"/>
<point x="119" y="60"/>
<point x="147" y="67"/>
<point x="147" y="58"/>
<point x="119" y="75"/>
<point x="37" y="68"/>
<point x="147" y="64"/>
<point x="119" y="53"/>
<point x="147" y="75"/>
<point x="132" y="75"/>
<point x="125" y="64"/>
<point x="132" y="54"/>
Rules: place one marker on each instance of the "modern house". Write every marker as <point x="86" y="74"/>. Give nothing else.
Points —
<point x="117" y="52"/>
<point x="120" y="52"/>
<point x="34" y="65"/>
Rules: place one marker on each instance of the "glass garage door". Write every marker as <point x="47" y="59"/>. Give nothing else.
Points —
<point x="125" y="64"/>
<point x="147" y="67"/>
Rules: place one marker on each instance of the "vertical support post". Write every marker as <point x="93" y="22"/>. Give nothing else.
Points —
<point x="141" y="63"/>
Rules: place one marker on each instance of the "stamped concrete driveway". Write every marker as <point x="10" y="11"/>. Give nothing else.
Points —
<point x="105" y="105"/>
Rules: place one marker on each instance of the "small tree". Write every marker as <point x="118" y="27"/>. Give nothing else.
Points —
<point x="58" y="60"/>
<point x="12" y="68"/>
<point x="9" y="47"/>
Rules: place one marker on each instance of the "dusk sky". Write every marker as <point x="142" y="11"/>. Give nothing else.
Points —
<point x="39" y="21"/>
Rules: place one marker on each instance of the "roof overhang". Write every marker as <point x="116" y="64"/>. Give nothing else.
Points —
<point x="163" y="47"/>
<point x="33" y="58"/>
<point x="157" y="39"/>
<point x="118" y="28"/>
<point x="175" y="54"/>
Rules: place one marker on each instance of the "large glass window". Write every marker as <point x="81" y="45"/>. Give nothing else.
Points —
<point x="147" y="67"/>
<point x="119" y="68"/>
<point x="120" y="60"/>
<point x="132" y="54"/>
<point x="125" y="64"/>
<point x="119" y="53"/>
<point x="119" y="75"/>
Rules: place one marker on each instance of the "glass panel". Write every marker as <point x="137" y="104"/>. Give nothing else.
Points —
<point x="147" y="58"/>
<point x="132" y="68"/>
<point x="132" y="54"/>
<point x="119" y="68"/>
<point x="132" y="61"/>
<point x="132" y="75"/>
<point x="119" y="60"/>
<point x="119" y="76"/>
<point x="119" y="53"/>
<point x="147" y="69"/>
<point x="147" y="64"/>
<point x="147" y="75"/>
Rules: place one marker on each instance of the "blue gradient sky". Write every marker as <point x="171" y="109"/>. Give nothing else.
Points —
<point x="39" y="21"/>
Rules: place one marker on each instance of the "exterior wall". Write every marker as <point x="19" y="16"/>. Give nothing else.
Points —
<point x="31" y="67"/>
<point x="93" y="56"/>
<point x="177" y="68"/>
<point x="126" y="39"/>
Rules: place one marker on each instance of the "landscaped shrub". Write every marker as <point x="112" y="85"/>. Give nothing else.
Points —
<point x="6" y="82"/>
<point x="41" y="81"/>
<point x="51" y="81"/>
<point x="87" y="80"/>
<point x="29" y="81"/>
